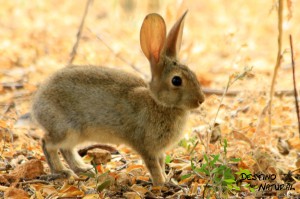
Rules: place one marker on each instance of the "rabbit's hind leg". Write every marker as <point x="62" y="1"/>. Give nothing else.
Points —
<point x="75" y="161"/>
<point x="55" y="164"/>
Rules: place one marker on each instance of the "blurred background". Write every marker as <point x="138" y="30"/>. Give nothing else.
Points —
<point x="220" y="37"/>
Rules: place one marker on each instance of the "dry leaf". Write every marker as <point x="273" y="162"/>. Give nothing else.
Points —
<point x="3" y="124"/>
<point x="141" y="190"/>
<point x="46" y="190"/>
<point x="159" y="188"/>
<point x="131" y="195"/>
<point x="14" y="193"/>
<point x="137" y="172"/>
<point x="296" y="186"/>
<point x="134" y="166"/>
<point x="91" y="196"/>
<point x="144" y="178"/>
<point x="3" y="188"/>
<point x="180" y="166"/>
<point x="38" y="195"/>
<point x="294" y="143"/>
<point x="70" y="191"/>
<point x="28" y="170"/>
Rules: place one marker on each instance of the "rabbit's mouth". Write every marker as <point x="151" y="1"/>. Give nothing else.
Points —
<point x="191" y="105"/>
<point x="194" y="104"/>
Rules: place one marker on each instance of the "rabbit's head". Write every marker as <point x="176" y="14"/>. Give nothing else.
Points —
<point x="172" y="84"/>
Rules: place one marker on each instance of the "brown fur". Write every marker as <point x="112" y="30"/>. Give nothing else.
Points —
<point x="88" y="103"/>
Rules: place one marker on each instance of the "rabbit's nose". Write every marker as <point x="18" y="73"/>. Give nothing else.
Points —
<point x="201" y="99"/>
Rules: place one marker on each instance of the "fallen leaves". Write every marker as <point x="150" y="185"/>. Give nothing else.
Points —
<point x="70" y="191"/>
<point x="35" y="44"/>
<point x="139" y="189"/>
<point x="14" y="193"/>
<point x="43" y="190"/>
<point x="28" y="170"/>
<point x="123" y="179"/>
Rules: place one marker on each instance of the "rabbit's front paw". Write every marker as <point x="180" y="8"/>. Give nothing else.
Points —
<point x="85" y="168"/>
<point x="159" y="181"/>
<point x="67" y="173"/>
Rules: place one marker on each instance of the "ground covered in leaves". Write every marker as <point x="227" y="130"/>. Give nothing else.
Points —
<point x="224" y="142"/>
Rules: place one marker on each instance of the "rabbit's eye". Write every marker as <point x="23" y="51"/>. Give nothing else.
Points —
<point x="177" y="81"/>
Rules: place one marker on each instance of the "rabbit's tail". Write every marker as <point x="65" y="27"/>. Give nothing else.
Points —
<point x="25" y="121"/>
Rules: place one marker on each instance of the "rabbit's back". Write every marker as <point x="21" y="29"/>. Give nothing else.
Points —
<point x="81" y="97"/>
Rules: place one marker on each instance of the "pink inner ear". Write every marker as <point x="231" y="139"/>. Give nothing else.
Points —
<point x="152" y="37"/>
<point x="156" y="55"/>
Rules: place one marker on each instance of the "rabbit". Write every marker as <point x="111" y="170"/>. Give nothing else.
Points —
<point x="87" y="103"/>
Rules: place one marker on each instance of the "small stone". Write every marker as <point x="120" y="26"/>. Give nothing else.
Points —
<point x="29" y="170"/>
<point x="100" y="156"/>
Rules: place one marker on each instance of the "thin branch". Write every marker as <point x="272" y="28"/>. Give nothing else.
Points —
<point x="216" y="116"/>
<point x="294" y="81"/>
<point x="13" y="85"/>
<point x="278" y="61"/>
<point x="122" y="167"/>
<point x="79" y="33"/>
<point x="34" y="182"/>
<point x="211" y="91"/>
<point x="233" y="93"/>
<point x="120" y="57"/>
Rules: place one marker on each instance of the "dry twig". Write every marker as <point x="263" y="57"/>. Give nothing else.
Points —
<point x="278" y="61"/>
<point x="294" y="82"/>
<point x="233" y="93"/>
<point x="13" y="85"/>
<point x="34" y="182"/>
<point x="120" y="57"/>
<point x="79" y="33"/>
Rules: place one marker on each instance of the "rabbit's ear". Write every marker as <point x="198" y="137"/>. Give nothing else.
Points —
<point x="152" y="38"/>
<point x="174" y="38"/>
